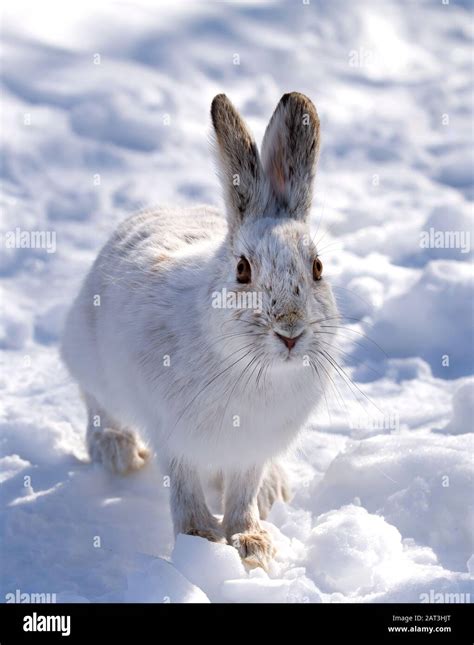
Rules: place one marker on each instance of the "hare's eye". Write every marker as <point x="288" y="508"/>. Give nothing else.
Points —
<point x="244" y="272"/>
<point x="317" y="269"/>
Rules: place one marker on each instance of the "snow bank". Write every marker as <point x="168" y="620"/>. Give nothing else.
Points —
<point x="420" y="321"/>
<point x="208" y="565"/>
<point x="462" y="419"/>
<point x="420" y="484"/>
<point x="350" y="550"/>
<point x="162" y="583"/>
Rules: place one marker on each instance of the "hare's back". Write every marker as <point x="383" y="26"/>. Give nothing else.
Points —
<point x="168" y="229"/>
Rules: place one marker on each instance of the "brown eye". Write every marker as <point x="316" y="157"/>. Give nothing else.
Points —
<point x="244" y="272"/>
<point x="317" y="269"/>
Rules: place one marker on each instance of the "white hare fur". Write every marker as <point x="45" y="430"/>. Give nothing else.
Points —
<point x="214" y="391"/>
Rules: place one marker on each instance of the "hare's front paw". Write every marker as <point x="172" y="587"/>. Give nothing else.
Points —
<point x="198" y="521"/>
<point x="121" y="451"/>
<point x="212" y="534"/>
<point x="255" y="548"/>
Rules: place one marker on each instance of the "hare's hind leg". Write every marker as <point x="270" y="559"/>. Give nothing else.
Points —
<point x="119" y="449"/>
<point x="274" y="488"/>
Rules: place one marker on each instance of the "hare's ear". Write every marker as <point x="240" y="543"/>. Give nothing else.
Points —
<point x="241" y="171"/>
<point x="289" y="153"/>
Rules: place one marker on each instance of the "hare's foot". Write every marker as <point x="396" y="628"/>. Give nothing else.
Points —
<point x="274" y="487"/>
<point x="213" y="534"/>
<point x="242" y="521"/>
<point x="255" y="548"/>
<point x="120" y="451"/>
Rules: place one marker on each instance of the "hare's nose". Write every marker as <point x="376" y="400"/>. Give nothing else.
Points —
<point x="289" y="342"/>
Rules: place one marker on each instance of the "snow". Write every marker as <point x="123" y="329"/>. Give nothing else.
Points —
<point x="105" y="111"/>
<point x="208" y="565"/>
<point x="351" y="550"/>
<point x="414" y="482"/>
<point x="463" y="409"/>
<point x="441" y="294"/>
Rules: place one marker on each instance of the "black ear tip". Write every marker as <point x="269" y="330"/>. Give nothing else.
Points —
<point x="219" y="97"/>
<point x="218" y="103"/>
<point x="297" y="97"/>
<point x="295" y="103"/>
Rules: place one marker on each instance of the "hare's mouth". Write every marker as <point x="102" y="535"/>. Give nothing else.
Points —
<point x="288" y="341"/>
<point x="289" y="348"/>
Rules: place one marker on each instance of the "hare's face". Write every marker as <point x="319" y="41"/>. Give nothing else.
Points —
<point x="273" y="260"/>
<point x="287" y="295"/>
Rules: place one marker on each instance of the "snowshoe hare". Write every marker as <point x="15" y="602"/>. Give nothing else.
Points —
<point x="203" y="332"/>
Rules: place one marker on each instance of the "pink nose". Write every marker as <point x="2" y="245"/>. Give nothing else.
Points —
<point x="289" y="342"/>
